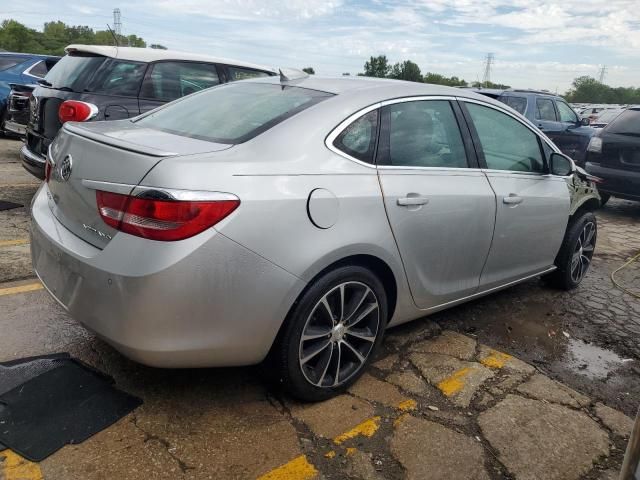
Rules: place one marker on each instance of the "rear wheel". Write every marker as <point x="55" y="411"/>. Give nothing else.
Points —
<point x="331" y="334"/>
<point x="574" y="259"/>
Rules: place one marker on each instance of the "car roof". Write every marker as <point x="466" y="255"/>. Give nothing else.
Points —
<point x="152" y="54"/>
<point x="377" y="89"/>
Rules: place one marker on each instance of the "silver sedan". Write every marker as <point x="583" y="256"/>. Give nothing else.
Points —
<point x="294" y="220"/>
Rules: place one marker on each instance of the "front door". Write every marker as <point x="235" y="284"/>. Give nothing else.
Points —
<point x="532" y="206"/>
<point x="441" y="210"/>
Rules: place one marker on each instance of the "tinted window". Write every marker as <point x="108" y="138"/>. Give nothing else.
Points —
<point x="73" y="71"/>
<point x="628" y="123"/>
<point x="519" y="104"/>
<point x="237" y="73"/>
<point x="506" y="143"/>
<point x="545" y="110"/>
<point x="232" y="113"/>
<point x="359" y="138"/>
<point x="566" y="113"/>
<point x="118" y="77"/>
<point x="8" y="62"/>
<point x="39" y="70"/>
<point x="170" y="80"/>
<point x="425" y="134"/>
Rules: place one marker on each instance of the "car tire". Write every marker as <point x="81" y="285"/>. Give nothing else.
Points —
<point x="338" y="347"/>
<point x="574" y="258"/>
<point x="604" y="198"/>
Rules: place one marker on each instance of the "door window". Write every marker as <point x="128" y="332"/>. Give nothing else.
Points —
<point x="170" y="80"/>
<point x="424" y="134"/>
<point x="545" y="110"/>
<point x="506" y="143"/>
<point x="566" y="113"/>
<point x="359" y="139"/>
<point x="237" y="73"/>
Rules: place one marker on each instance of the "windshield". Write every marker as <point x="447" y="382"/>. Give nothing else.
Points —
<point x="232" y="113"/>
<point x="628" y="123"/>
<point x="73" y="71"/>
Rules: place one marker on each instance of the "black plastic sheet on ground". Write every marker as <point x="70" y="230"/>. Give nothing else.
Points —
<point x="49" y="401"/>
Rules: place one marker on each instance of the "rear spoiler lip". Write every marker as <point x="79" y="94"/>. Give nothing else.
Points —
<point x="76" y="129"/>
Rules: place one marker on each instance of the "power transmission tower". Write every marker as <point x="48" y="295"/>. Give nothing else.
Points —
<point x="603" y="72"/>
<point x="117" y="24"/>
<point x="486" y="78"/>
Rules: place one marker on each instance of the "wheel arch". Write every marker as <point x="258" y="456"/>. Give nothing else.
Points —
<point x="590" y="204"/>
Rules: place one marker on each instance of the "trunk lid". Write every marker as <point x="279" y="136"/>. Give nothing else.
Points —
<point x="86" y="156"/>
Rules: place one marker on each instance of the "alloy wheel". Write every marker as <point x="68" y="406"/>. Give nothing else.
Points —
<point x="583" y="252"/>
<point x="339" y="334"/>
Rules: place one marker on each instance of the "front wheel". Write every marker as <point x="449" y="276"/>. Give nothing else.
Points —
<point x="575" y="255"/>
<point x="331" y="334"/>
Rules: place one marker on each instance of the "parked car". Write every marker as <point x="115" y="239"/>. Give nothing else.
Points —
<point x="108" y="83"/>
<point x="23" y="68"/>
<point x="605" y="117"/>
<point x="295" y="218"/>
<point x="551" y="114"/>
<point x="17" y="113"/>
<point x="614" y="156"/>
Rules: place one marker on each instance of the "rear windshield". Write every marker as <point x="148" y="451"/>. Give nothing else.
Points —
<point x="628" y="123"/>
<point x="73" y="71"/>
<point x="8" y="62"/>
<point x="519" y="104"/>
<point x="232" y="113"/>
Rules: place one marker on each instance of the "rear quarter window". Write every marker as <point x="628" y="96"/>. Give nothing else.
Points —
<point x="519" y="104"/>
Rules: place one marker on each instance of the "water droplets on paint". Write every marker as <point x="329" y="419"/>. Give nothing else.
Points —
<point x="591" y="360"/>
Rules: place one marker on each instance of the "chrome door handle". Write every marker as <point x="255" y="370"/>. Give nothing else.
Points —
<point x="409" y="201"/>
<point x="512" y="199"/>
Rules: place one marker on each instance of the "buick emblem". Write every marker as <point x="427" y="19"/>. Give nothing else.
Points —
<point x="65" y="168"/>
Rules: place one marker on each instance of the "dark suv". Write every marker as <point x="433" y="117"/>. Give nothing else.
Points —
<point x="108" y="83"/>
<point x="613" y="155"/>
<point x="551" y="114"/>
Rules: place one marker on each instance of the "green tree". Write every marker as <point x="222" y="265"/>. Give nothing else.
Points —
<point x="15" y="37"/>
<point x="438" y="79"/>
<point x="406" y="70"/>
<point x="498" y="86"/>
<point x="377" y="67"/>
<point x="587" y="89"/>
<point x="309" y="70"/>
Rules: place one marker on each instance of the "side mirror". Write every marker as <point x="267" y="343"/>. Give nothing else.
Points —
<point x="561" y="165"/>
<point x="585" y="122"/>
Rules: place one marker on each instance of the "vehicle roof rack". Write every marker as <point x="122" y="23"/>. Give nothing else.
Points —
<point x="532" y="90"/>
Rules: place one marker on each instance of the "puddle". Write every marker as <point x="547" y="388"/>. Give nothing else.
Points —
<point x="590" y="360"/>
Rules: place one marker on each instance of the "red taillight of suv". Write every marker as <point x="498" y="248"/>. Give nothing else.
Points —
<point x="161" y="219"/>
<point x="76" y="111"/>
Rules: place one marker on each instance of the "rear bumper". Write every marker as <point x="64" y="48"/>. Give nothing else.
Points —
<point x="201" y="302"/>
<point x="32" y="162"/>
<point x="616" y="182"/>
<point x="15" y="128"/>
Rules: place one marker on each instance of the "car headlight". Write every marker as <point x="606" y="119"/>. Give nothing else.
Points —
<point x="595" y="145"/>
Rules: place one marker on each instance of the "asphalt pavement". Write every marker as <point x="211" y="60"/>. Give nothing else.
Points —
<point x="529" y="383"/>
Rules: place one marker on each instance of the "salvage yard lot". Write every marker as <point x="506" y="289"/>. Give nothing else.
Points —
<point x="526" y="383"/>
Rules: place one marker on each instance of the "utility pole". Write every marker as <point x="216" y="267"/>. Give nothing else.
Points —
<point x="603" y="72"/>
<point x="117" y="24"/>
<point x="486" y="78"/>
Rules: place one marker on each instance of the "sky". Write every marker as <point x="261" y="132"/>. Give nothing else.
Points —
<point x="541" y="44"/>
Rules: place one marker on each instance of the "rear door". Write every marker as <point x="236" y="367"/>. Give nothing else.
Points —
<point x="440" y="206"/>
<point x="169" y="80"/>
<point x="546" y="117"/>
<point x="532" y="206"/>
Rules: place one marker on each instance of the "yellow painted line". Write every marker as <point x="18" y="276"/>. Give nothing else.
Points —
<point x="331" y="454"/>
<point x="29" y="287"/>
<point x="11" y="243"/>
<point x="455" y="383"/>
<point x="297" y="469"/>
<point x="407" y="405"/>
<point x="400" y="419"/>
<point x="351" y="451"/>
<point x="14" y="467"/>
<point x="367" y="429"/>
<point x="496" y="359"/>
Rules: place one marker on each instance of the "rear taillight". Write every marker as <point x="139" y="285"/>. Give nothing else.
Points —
<point x="161" y="219"/>
<point x="76" y="111"/>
